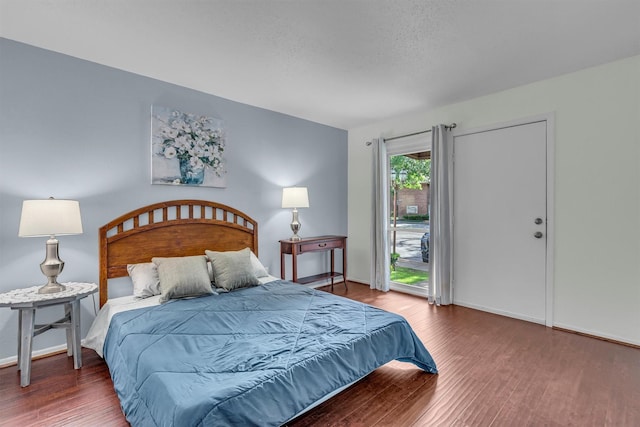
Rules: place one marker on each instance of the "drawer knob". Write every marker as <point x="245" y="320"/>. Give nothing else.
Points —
<point x="322" y="245"/>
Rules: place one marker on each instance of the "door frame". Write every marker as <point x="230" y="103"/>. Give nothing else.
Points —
<point x="549" y="118"/>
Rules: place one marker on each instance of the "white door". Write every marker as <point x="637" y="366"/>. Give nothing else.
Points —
<point x="499" y="225"/>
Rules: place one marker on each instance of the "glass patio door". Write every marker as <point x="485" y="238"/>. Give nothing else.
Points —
<point x="409" y="166"/>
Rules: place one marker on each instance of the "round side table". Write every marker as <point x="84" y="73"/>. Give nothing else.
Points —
<point x="27" y="301"/>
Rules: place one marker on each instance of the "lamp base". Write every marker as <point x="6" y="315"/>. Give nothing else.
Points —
<point x="52" y="288"/>
<point x="51" y="267"/>
<point x="295" y="226"/>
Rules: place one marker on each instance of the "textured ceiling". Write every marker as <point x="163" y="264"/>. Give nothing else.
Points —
<point x="344" y="63"/>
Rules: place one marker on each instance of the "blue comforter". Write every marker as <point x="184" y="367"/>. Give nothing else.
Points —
<point x="255" y="356"/>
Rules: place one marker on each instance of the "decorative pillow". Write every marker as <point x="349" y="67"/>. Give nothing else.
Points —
<point x="210" y="271"/>
<point x="182" y="277"/>
<point x="258" y="268"/>
<point x="144" y="276"/>
<point x="233" y="269"/>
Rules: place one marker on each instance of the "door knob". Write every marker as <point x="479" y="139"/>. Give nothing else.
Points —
<point x="537" y="234"/>
<point x="538" y="221"/>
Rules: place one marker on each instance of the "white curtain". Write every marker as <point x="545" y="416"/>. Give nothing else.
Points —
<point x="441" y="221"/>
<point x="380" y="261"/>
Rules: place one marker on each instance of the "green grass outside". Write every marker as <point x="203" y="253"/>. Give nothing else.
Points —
<point x="409" y="276"/>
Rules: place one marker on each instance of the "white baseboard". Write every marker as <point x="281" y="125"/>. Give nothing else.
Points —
<point x="13" y="360"/>
<point x="500" y="312"/>
<point x="568" y="328"/>
<point x="597" y="334"/>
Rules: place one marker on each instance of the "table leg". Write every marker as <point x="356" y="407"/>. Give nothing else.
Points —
<point x="27" y="321"/>
<point x="294" y="265"/>
<point x="344" y="264"/>
<point x="19" y="338"/>
<point x="67" y="315"/>
<point x="75" y="334"/>
<point x="333" y="268"/>
<point x="282" y="272"/>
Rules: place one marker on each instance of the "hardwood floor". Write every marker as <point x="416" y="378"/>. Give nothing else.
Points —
<point x="494" y="371"/>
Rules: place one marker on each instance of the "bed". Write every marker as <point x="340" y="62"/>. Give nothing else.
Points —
<point x="256" y="354"/>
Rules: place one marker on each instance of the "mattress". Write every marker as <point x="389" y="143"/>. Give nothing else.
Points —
<point x="98" y="330"/>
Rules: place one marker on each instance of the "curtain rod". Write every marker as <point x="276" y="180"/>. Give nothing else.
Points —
<point x="451" y="126"/>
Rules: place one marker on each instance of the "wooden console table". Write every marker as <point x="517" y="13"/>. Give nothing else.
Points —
<point x="314" y="244"/>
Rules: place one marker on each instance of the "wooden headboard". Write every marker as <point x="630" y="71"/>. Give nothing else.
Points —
<point x="171" y="229"/>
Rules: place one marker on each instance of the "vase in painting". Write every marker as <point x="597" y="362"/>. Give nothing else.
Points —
<point x="190" y="175"/>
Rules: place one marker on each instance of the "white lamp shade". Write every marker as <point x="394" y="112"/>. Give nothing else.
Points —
<point x="50" y="217"/>
<point x="295" y="197"/>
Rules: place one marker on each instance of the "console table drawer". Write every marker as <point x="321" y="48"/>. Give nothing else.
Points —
<point x="320" y="246"/>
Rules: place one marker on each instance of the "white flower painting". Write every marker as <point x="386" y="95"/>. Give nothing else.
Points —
<point x="187" y="149"/>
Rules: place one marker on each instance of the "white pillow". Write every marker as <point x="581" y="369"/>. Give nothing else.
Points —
<point x="146" y="282"/>
<point x="183" y="277"/>
<point x="233" y="269"/>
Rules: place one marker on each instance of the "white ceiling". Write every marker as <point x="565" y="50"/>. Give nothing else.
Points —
<point x="344" y="63"/>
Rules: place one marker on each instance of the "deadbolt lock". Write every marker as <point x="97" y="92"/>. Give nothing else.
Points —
<point x="538" y="221"/>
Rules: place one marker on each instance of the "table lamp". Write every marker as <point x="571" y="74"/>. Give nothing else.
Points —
<point x="51" y="218"/>
<point x="295" y="197"/>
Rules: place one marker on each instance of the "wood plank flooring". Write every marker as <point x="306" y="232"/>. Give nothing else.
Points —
<point x="494" y="371"/>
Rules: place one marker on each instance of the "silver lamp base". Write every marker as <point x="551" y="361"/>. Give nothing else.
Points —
<point x="52" y="288"/>
<point x="295" y="225"/>
<point x="51" y="267"/>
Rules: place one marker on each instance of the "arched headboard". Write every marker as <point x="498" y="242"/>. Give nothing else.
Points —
<point x="171" y="229"/>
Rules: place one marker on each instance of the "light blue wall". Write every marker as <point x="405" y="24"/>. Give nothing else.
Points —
<point x="77" y="130"/>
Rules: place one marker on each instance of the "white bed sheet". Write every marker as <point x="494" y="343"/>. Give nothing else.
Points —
<point x="98" y="331"/>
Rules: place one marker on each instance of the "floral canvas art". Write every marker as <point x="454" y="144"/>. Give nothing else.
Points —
<point x="187" y="149"/>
